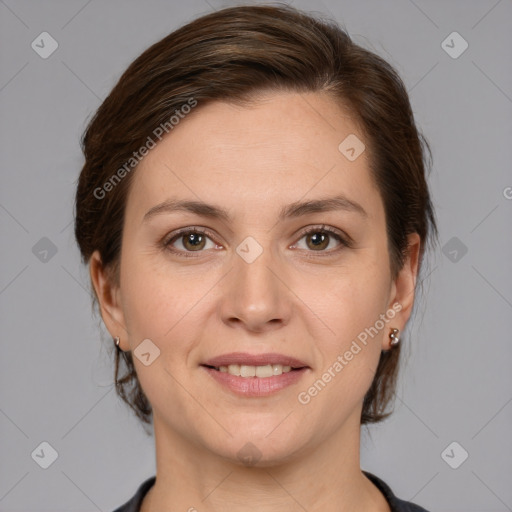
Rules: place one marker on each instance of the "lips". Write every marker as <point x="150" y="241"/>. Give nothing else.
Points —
<point x="246" y="359"/>
<point x="255" y="375"/>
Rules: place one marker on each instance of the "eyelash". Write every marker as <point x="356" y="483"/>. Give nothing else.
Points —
<point x="167" y="243"/>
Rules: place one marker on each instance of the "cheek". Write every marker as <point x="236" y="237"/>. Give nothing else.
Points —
<point x="352" y="307"/>
<point x="152" y="300"/>
<point x="356" y="298"/>
<point x="163" y="303"/>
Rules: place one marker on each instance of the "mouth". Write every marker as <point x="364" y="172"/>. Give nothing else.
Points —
<point x="255" y="375"/>
<point x="260" y="371"/>
<point x="242" y="364"/>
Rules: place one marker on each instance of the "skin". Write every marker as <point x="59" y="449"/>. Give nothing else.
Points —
<point x="294" y="299"/>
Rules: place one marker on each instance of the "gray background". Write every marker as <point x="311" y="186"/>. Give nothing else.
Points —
<point x="55" y="373"/>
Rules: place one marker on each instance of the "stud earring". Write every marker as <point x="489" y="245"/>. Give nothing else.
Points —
<point x="394" y="337"/>
<point x="117" y="340"/>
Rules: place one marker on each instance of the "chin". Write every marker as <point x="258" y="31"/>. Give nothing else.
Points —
<point x="262" y="446"/>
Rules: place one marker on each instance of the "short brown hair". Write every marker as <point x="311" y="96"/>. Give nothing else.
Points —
<point x="232" y="55"/>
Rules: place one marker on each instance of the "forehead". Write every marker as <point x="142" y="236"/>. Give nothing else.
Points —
<point x="284" y="147"/>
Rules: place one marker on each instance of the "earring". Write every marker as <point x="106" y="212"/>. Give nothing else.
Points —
<point x="117" y="340"/>
<point x="394" y="337"/>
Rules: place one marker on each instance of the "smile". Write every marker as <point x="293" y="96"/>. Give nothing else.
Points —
<point x="243" y="370"/>
<point x="253" y="386"/>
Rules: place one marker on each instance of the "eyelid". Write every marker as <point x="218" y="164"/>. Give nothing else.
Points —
<point x="344" y="239"/>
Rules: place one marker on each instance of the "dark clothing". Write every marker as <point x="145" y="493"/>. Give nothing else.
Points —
<point x="396" y="504"/>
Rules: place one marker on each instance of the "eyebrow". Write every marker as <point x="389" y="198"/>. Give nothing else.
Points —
<point x="290" y="211"/>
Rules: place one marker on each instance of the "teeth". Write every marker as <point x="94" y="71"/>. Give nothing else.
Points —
<point x="247" y="371"/>
<point x="254" y="371"/>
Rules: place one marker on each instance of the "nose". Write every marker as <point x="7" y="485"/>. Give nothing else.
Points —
<point x="255" y="296"/>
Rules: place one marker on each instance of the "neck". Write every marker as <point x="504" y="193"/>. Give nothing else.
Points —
<point x="325" y="477"/>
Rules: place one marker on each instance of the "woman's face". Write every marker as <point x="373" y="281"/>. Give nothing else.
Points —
<point x="254" y="284"/>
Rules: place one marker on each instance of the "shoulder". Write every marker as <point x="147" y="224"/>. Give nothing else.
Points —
<point x="134" y="503"/>
<point x="396" y="504"/>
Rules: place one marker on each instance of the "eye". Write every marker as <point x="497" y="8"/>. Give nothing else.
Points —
<point x="319" y="238"/>
<point x="193" y="239"/>
<point x="190" y="240"/>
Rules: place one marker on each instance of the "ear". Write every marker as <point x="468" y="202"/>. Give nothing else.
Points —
<point x="403" y="288"/>
<point x="109" y="295"/>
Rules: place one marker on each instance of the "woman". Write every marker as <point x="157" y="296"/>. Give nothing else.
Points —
<point x="254" y="213"/>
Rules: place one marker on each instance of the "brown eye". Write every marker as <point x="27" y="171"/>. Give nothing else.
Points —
<point x="188" y="241"/>
<point x="193" y="241"/>
<point x="318" y="240"/>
